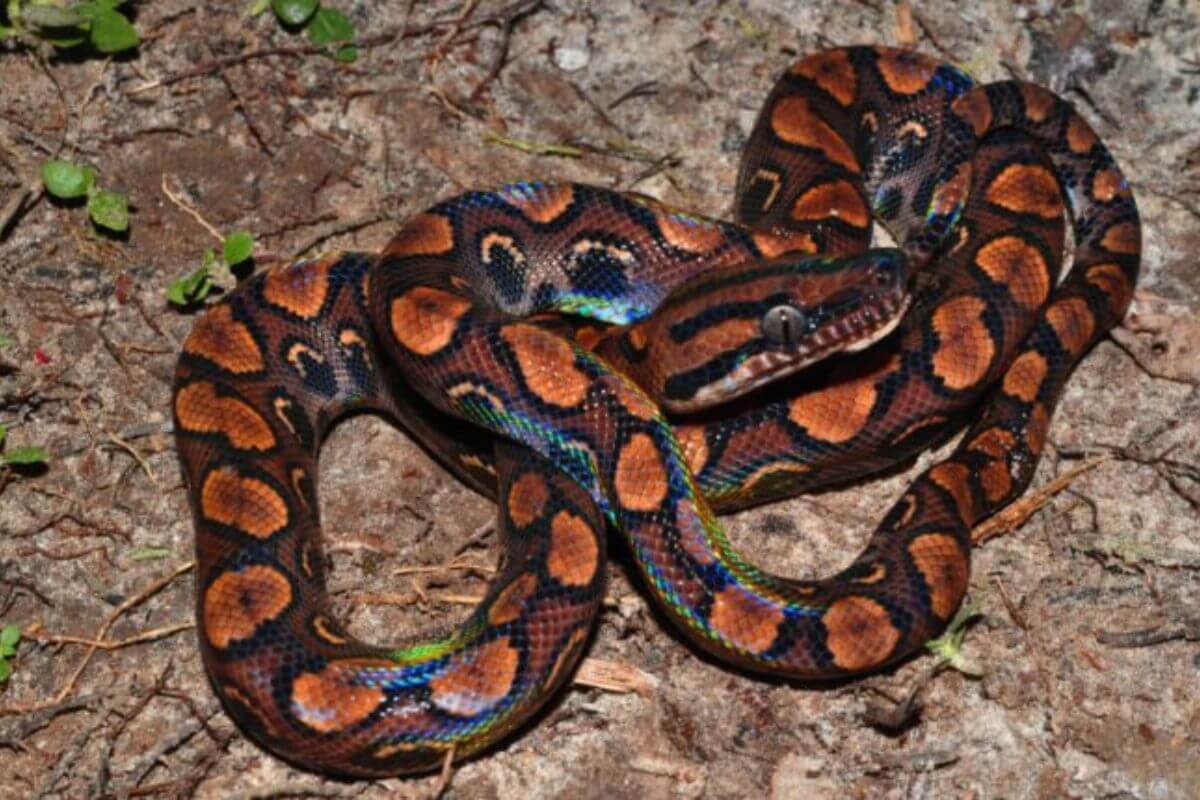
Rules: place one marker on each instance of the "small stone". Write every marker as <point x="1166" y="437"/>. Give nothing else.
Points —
<point x="570" y="59"/>
<point x="572" y="52"/>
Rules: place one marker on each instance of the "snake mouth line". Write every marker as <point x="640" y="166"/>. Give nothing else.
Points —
<point x="850" y="332"/>
<point x="872" y="324"/>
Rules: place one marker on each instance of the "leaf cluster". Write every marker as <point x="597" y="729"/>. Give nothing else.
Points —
<point x="321" y="24"/>
<point x="67" y="180"/>
<point x="97" y="24"/>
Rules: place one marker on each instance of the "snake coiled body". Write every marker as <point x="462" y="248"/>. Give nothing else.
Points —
<point x="458" y="314"/>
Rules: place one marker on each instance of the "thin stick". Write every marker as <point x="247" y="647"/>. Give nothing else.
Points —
<point x="445" y="776"/>
<point x="136" y="600"/>
<point x="614" y="676"/>
<point x="19" y="203"/>
<point x="178" y="201"/>
<point x="215" y="65"/>
<point x="144" y="636"/>
<point x="117" y="441"/>
<point x="1012" y="517"/>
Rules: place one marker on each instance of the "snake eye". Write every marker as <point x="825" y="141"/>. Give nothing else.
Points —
<point x="784" y="324"/>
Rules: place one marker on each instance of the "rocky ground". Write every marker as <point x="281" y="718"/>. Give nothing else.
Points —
<point x="1087" y="645"/>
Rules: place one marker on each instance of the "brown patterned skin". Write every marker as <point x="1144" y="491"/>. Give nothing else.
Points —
<point x="451" y="321"/>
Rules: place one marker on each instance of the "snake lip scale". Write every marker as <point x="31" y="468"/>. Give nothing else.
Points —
<point x="815" y="308"/>
<point x="561" y="319"/>
<point x="850" y="333"/>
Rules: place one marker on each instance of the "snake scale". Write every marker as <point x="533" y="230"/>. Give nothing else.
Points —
<point x="564" y="320"/>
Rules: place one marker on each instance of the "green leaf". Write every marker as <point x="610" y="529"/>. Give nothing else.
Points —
<point x="22" y="456"/>
<point x="90" y="8"/>
<point x="25" y="456"/>
<point x="64" y="42"/>
<point x="347" y="53"/>
<point x="65" y="180"/>
<point x="534" y="148"/>
<point x="258" y="7"/>
<point x="6" y="32"/>
<point x="111" y="32"/>
<point x="237" y="247"/>
<point x="948" y="646"/>
<point x="294" y="12"/>
<point x="329" y="25"/>
<point x="109" y="210"/>
<point x="6" y="342"/>
<point x="191" y="288"/>
<point x="52" y="17"/>
<point x="87" y="10"/>
<point x="5" y="670"/>
<point x="149" y="553"/>
<point x="748" y="29"/>
<point x="9" y="636"/>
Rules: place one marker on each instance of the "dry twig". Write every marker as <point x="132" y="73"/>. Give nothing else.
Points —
<point x="1024" y="507"/>
<point x="116" y="614"/>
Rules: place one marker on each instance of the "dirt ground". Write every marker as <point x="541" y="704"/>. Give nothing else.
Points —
<point x="1087" y="644"/>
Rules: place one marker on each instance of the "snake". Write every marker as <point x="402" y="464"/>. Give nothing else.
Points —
<point x="594" y="358"/>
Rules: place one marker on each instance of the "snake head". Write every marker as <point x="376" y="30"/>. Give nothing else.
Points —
<point x="725" y="334"/>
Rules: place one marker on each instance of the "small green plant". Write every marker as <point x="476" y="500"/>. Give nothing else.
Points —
<point x="98" y="24"/>
<point x="149" y="553"/>
<point x="28" y="456"/>
<point x="10" y="635"/>
<point x="212" y="272"/>
<point x="533" y="148"/>
<point x="748" y="28"/>
<point x="69" y="181"/>
<point x="323" y="26"/>
<point x="948" y="646"/>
